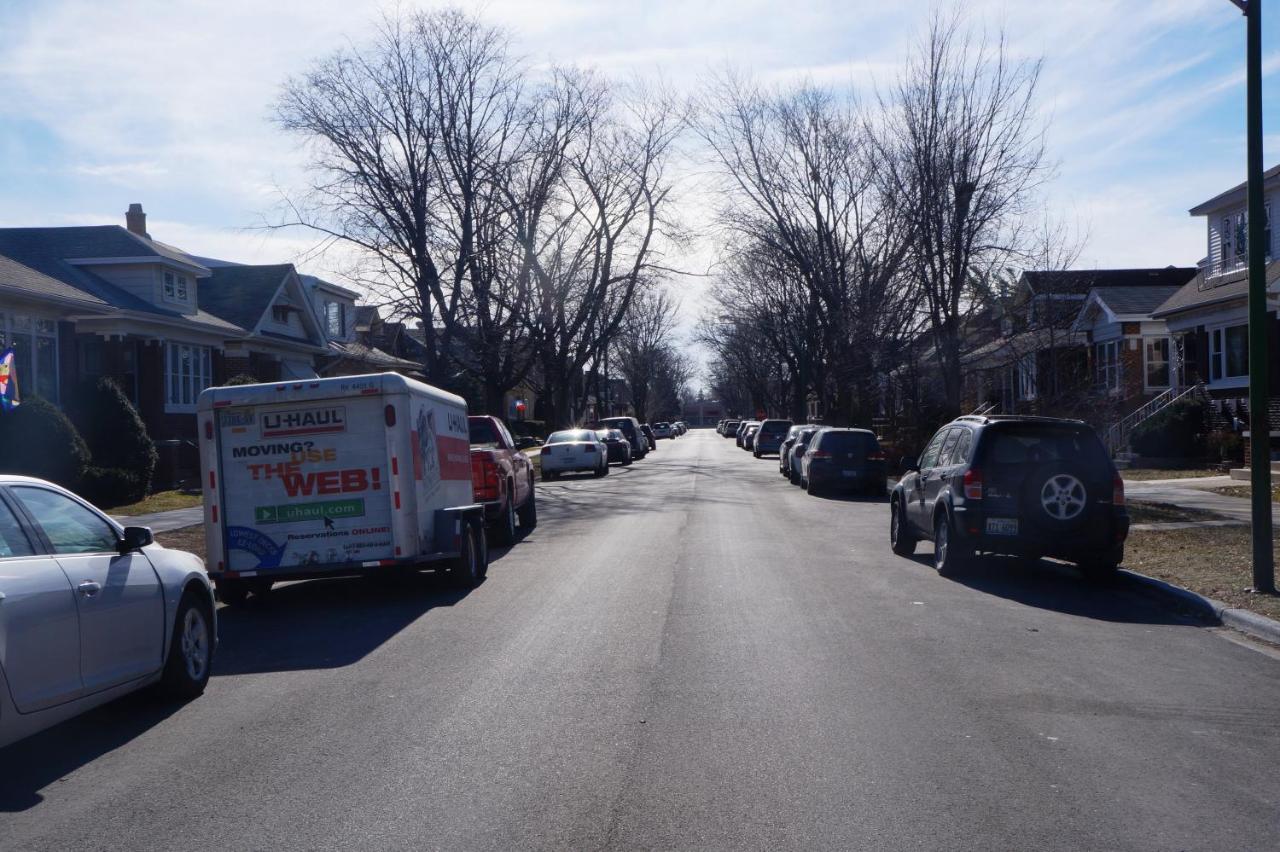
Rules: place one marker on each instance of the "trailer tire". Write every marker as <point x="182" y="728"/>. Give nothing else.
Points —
<point x="465" y="573"/>
<point x="231" y="592"/>
<point x="529" y="511"/>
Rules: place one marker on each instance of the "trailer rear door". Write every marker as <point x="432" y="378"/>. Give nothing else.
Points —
<point x="304" y="484"/>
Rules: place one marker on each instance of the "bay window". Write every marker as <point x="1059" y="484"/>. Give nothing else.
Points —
<point x="1106" y="365"/>
<point x="35" y="352"/>
<point x="1228" y="353"/>
<point x="1156" y="352"/>
<point x="187" y="371"/>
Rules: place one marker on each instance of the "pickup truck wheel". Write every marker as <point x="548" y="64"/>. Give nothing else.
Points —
<point x="186" y="672"/>
<point x="504" y="531"/>
<point x="528" y="513"/>
<point x="232" y="592"/>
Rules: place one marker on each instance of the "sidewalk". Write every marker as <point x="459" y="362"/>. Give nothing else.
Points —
<point x="165" y="521"/>
<point x="1193" y="493"/>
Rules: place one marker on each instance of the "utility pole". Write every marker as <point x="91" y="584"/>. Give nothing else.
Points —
<point x="1259" y="351"/>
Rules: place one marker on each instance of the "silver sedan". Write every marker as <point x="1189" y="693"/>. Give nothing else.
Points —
<point x="90" y="610"/>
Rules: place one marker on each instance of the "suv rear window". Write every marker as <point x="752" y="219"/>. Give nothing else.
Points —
<point x="775" y="426"/>
<point x="1028" y="444"/>
<point x="848" y="442"/>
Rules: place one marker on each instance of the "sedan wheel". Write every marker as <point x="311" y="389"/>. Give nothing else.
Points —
<point x="186" y="672"/>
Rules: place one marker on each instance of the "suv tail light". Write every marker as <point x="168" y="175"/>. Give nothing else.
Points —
<point x="819" y="454"/>
<point x="973" y="484"/>
<point x="876" y="456"/>
<point x="1117" y="491"/>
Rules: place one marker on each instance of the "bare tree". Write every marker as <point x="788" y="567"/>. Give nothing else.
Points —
<point x="644" y="351"/>
<point x="961" y="149"/>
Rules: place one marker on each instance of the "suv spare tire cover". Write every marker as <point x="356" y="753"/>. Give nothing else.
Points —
<point x="1056" y="496"/>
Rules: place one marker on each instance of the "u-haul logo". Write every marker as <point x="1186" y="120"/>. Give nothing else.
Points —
<point x="303" y="421"/>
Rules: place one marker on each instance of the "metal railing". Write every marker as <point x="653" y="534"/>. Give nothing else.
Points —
<point x="1118" y="434"/>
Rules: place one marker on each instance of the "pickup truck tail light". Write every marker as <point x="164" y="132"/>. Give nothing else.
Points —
<point x="485" y="479"/>
<point x="973" y="484"/>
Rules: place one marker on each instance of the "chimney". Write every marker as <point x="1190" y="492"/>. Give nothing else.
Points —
<point x="136" y="221"/>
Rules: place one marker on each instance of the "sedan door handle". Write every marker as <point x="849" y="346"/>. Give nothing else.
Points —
<point x="89" y="588"/>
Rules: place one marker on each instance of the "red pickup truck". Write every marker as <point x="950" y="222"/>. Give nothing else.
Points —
<point x="502" y="478"/>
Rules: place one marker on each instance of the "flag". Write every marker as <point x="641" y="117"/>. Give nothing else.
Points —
<point x="8" y="381"/>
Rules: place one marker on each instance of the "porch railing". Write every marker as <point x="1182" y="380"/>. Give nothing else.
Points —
<point x="1117" y="436"/>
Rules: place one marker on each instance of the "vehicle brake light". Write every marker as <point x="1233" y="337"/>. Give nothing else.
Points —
<point x="589" y="448"/>
<point x="973" y="484"/>
<point x="1117" y="491"/>
<point x="546" y="451"/>
<point x="484" y="477"/>
<point x="819" y="454"/>
<point x="876" y="456"/>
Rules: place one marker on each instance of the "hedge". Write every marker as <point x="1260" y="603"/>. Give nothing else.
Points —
<point x="1175" y="432"/>
<point x="123" y="456"/>
<point x="36" y="439"/>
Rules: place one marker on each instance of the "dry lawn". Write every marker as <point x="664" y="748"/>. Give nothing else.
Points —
<point x="161" y="501"/>
<point x="1246" y="491"/>
<point x="1211" y="561"/>
<point x="190" y="539"/>
<point x="1144" y="474"/>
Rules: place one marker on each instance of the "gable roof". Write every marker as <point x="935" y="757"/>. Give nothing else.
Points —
<point x="1234" y="195"/>
<point x="1130" y="301"/>
<point x="16" y="276"/>
<point x="1078" y="282"/>
<point x="241" y="294"/>
<point x="1200" y="292"/>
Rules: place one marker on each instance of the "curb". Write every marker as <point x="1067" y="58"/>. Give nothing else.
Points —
<point x="1258" y="626"/>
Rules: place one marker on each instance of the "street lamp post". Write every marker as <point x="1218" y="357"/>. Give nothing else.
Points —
<point x="1259" y="419"/>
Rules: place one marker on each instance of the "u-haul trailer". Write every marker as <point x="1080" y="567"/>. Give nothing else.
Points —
<point x="336" y="476"/>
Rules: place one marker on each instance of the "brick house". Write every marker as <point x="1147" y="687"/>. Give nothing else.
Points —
<point x="82" y="302"/>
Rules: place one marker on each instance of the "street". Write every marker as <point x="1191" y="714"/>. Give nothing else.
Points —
<point x="687" y="653"/>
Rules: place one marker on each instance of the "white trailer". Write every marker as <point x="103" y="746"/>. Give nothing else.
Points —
<point x="336" y="476"/>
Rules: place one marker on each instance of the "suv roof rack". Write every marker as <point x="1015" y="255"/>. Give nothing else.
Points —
<point x="1017" y="418"/>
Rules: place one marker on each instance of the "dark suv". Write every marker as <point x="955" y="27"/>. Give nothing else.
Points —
<point x="1027" y="486"/>
<point x="770" y="436"/>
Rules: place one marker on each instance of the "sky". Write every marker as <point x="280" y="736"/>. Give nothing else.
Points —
<point x="169" y="102"/>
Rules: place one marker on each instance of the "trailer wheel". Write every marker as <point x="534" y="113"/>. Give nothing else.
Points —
<point x="232" y="592"/>
<point x="529" y="511"/>
<point x="466" y="572"/>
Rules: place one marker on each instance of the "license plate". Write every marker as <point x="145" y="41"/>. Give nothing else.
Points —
<point x="1002" y="526"/>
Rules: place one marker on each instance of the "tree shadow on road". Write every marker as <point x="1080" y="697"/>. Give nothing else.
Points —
<point x="1051" y="585"/>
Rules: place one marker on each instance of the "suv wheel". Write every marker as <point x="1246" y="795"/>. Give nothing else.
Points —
<point x="900" y="539"/>
<point x="949" y="556"/>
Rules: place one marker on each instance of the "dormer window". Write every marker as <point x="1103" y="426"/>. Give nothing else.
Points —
<point x="175" y="287"/>
<point x="280" y="314"/>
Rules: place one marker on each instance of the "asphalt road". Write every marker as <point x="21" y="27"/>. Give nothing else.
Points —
<point x="689" y="653"/>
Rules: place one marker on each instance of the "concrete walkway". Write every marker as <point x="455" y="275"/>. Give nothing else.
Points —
<point x="165" y="521"/>
<point x="1193" y="493"/>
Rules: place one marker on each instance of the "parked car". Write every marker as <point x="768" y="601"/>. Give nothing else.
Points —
<point x="769" y="437"/>
<point x="1028" y="486"/>
<point x="797" y="438"/>
<point x="681" y="427"/>
<point x="749" y="436"/>
<point x="630" y="427"/>
<point x="663" y="430"/>
<point x="844" y="460"/>
<point x="573" y="451"/>
<point x="648" y="433"/>
<point x="617" y="445"/>
<point x="502" y="478"/>
<point x="730" y="428"/>
<point x="91" y="610"/>
<point x="742" y="430"/>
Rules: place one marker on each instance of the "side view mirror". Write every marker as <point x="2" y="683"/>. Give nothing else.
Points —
<point x="135" y="538"/>
<point x="909" y="464"/>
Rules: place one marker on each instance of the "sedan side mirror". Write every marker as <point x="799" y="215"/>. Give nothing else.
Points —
<point x="135" y="538"/>
<point x="909" y="464"/>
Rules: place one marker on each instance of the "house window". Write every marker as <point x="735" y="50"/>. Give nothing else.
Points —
<point x="1156" y="357"/>
<point x="1107" y="365"/>
<point x="175" y="287"/>
<point x="335" y="319"/>
<point x="1228" y="352"/>
<point x="35" y="352"/>
<point x="188" y="370"/>
<point x="280" y="314"/>
<point x="1224" y="240"/>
